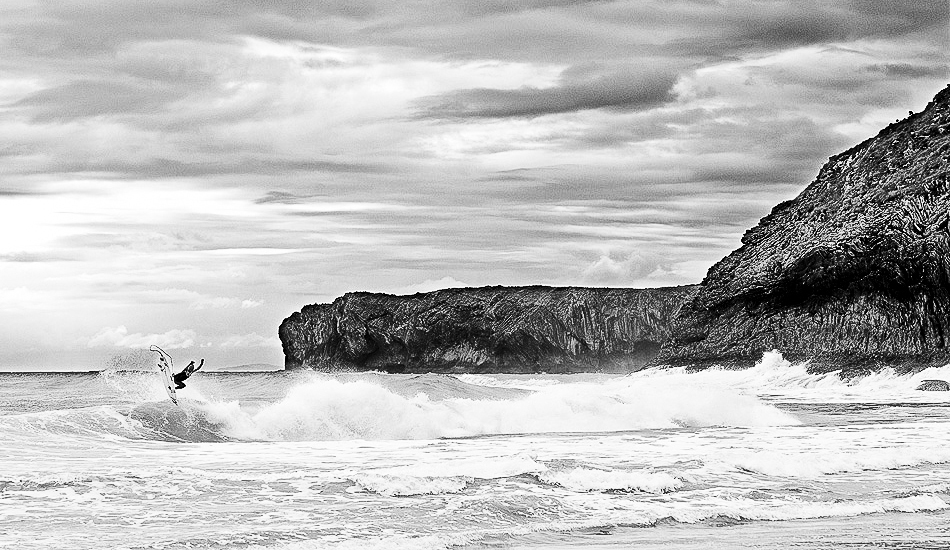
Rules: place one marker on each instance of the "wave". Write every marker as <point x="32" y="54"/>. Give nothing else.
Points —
<point x="187" y="422"/>
<point x="635" y="515"/>
<point x="837" y="460"/>
<point x="588" y="479"/>
<point x="318" y="407"/>
<point x="162" y="421"/>
<point x="773" y="375"/>
<point x="433" y="478"/>
<point x="728" y="510"/>
<point x="307" y="406"/>
<point x="442" y="541"/>
<point x="438" y="477"/>
<point x="328" y="409"/>
<point x="747" y="509"/>
<point x="101" y="422"/>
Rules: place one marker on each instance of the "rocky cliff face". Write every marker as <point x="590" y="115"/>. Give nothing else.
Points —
<point x="492" y="329"/>
<point x="854" y="271"/>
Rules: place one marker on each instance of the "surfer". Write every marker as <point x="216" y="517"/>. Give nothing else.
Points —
<point x="180" y="378"/>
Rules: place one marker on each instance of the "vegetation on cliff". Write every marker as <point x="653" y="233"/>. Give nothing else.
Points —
<point x="854" y="272"/>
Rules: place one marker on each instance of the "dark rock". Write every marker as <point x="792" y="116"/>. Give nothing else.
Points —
<point x="490" y="329"/>
<point x="934" y="385"/>
<point x="853" y="273"/>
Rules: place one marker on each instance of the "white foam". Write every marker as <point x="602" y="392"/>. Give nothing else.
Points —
<point x="750" y="509"/>
<point x="700" y="508"/>
<point x="527" y="382"/>
<point x="776" y="376"/>
<point x="328" y="409"/>
<point x="839" y="460"/>
<point x="488" y="467"/>
<point x="436" y="476"/>
<point x="586" y="479"/>
<point x="392" y="542"/>
<point x="390" y="485"/>
<point x="935" y="488"/>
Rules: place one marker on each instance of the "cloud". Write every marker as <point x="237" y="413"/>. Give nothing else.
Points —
<point x="89" y="98"/>
<point x="119" y="337"/>
<point x="217" y="165"/>
<point x="896" y="17"/>
<point x="429" y="285"/>
<point x="909" y="70"/>
<point x="283" y="197"/>
<point x="619" y="271"/>
<point x="22" y="298"/>
<point x="582" y="89"/>
<point x="168" y="168"/>
<point x="214" y="302"/>
<point x="194" y="300"/>
<point x="36" y="257"/>
<point x="252" y="340"/>
<point x="15" y="193"/>
<point x="743" y="28"/>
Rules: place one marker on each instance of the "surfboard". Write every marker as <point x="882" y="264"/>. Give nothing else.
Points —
<point x="165" y="364"/>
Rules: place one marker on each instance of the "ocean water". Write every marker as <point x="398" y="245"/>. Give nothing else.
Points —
<point x="769" y="457"/>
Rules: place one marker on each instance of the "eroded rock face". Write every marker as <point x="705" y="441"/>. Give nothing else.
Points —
<point x="855" y="271"/>
<point x="491" y="329"/>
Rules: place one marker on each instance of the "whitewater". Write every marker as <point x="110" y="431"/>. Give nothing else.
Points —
<point x="767" y="457"/>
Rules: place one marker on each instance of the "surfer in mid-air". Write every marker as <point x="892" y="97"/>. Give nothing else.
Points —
<point x="166" y="366"/>
<point x="180" y="378"/>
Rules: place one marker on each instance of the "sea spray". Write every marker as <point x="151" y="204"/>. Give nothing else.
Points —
<point x="773" y="375"/>
<point x="328" y="409"/>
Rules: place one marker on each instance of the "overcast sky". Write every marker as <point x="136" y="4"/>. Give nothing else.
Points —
<point x="190" y="172"/>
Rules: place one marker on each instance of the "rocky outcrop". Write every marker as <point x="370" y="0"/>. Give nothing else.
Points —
<point x="853" y="273"/>
<point x="491" y="329"/>
<point x="934" y="385"/>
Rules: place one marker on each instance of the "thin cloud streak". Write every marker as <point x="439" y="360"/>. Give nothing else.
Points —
<point x="617" y="91"/>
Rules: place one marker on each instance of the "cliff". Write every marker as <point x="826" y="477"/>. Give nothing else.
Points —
<point x="853" y="273"/>
<point x="491" y="329"/>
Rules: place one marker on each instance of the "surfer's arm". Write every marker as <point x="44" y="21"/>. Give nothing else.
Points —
<point x="201" y="364"/>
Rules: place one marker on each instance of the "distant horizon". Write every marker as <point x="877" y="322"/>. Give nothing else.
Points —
<point x="232" y="369"/>
<point x="190" y="174"/>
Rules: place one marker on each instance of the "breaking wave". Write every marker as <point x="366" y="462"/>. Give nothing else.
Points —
<point x="329" y="409"/>
<point x="307" y="406"/>
<point x="773" y="375"/>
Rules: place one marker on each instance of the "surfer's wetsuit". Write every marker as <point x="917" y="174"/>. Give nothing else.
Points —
<point x="180" y="378"/>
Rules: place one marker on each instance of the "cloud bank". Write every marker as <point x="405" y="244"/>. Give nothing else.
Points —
<point x="218" y="165"/>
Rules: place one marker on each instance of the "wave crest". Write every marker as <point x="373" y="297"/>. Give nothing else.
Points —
<point x="329" y="409"/>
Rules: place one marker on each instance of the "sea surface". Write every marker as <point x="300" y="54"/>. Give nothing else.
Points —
<point x="769" y="457"/>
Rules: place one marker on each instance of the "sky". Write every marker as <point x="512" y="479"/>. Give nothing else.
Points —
<point x="188" y="173"/>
